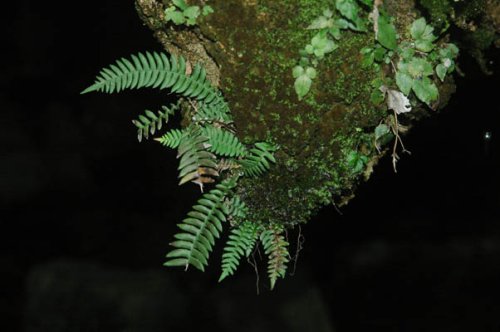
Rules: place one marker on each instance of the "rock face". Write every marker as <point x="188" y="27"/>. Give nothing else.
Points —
<point x="323" y="138"/>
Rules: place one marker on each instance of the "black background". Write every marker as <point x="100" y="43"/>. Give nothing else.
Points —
<point x="414" y="251"/>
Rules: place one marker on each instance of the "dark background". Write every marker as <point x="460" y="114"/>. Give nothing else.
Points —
<point x="86" y="212"/>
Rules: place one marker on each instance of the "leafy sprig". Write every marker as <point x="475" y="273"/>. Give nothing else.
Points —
<point x="181" y="13"/>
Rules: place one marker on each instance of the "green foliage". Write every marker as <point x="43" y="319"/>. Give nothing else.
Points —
<point x="200" y="229"/>
<point x="240" y="244"/>
<point x="201" y="148"/>
<point x="151" y="122"/>
<point x="212" y="113"/>
<point x="235" y="208"/>
<point x="208" y="148"/>
<point x="352" y="12"/>
<point x="328" y="27"/>
<point x="419" y="61"/>
<point x="257" y="162"/>
<point x="382" y="135"/>
<point x="180" y="13"/>
<point x="320" y="45"/>
<point x="196" y="163"/>
<point x="156" y="70"/>
<point x="414" y="75"/>
<point x="303" y="80"/>
<point x="171" y="139"/>
<point x="386" y="34"/>
<point x="276" y="248"/>
<point x="357" y="161"/>
<point x="223" y="142"/>
<point x="422" y="34"/>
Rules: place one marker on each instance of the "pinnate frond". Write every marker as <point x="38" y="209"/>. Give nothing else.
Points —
<point x="213" y="113"/>
<point x="200" y="229"/>
<point x="157" y="70"/>
<point x="223" y="142"/>
<point x="235" y="207"/>
<point x="196" y="163"/>
<point x="240" y="244"/>
<point x="276" y="248"/>
<point x="171" y="138"/>
<point x="150" y="122"/>
<point x="258" y="160"/>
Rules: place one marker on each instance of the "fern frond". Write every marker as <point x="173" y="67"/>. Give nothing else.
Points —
<point x="196" y="163"/>
<point x="235" y="207"/>
<point x="257" y="161"/>
<point x="213" y="113"/>
<point x="240" y="243"/>
<point x="200" y="229"/>
<point x="171" y="138"/>
<point x="150" y="122"/>
<point x="275" y="247"/>
<point x="156" y="70"/>
<point x="227" y="164"/>
<point x="223" y="142"/>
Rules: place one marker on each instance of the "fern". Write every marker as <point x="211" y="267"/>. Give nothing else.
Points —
<point x="235" y="207"/>
<point x="198" y="146"/>
<point x="171" y="139"/>
<point x="257" y="162"/>
<point x="196" y="163"/>
<point x="213" y="113"/>
<point x="151" y="122"/>
<point x="227" y="164"/>
<point x="275" y="247"/>
<point x="200" y="229"/>
<point x="240" y="243"/>
<point x="223" y="142"/>
<point x="156" y="70"/>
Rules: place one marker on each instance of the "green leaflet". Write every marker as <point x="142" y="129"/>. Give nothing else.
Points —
<point x="223" y="142"/>
<point x="387" y="35"/>
<point x="171" y="139"/>
<point x="156" y="70"/>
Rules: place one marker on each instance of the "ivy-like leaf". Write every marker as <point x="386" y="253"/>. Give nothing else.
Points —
<point x="404" y="82"/>
<point x="441" y="71"/>
<point x="419" y="67"/>
<point x="172" y="14"/>
<point x="350" y="10"/>
<point x="302" y="86"/>
<point x="425" y="90"/>
<point x="423" y="35"/>
<point x="356" y="161"/>
<point x="207" y="10"/>
<point x="181" y="4"/>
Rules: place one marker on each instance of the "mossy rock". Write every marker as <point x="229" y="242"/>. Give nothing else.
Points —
<point x="255" y="44"/>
